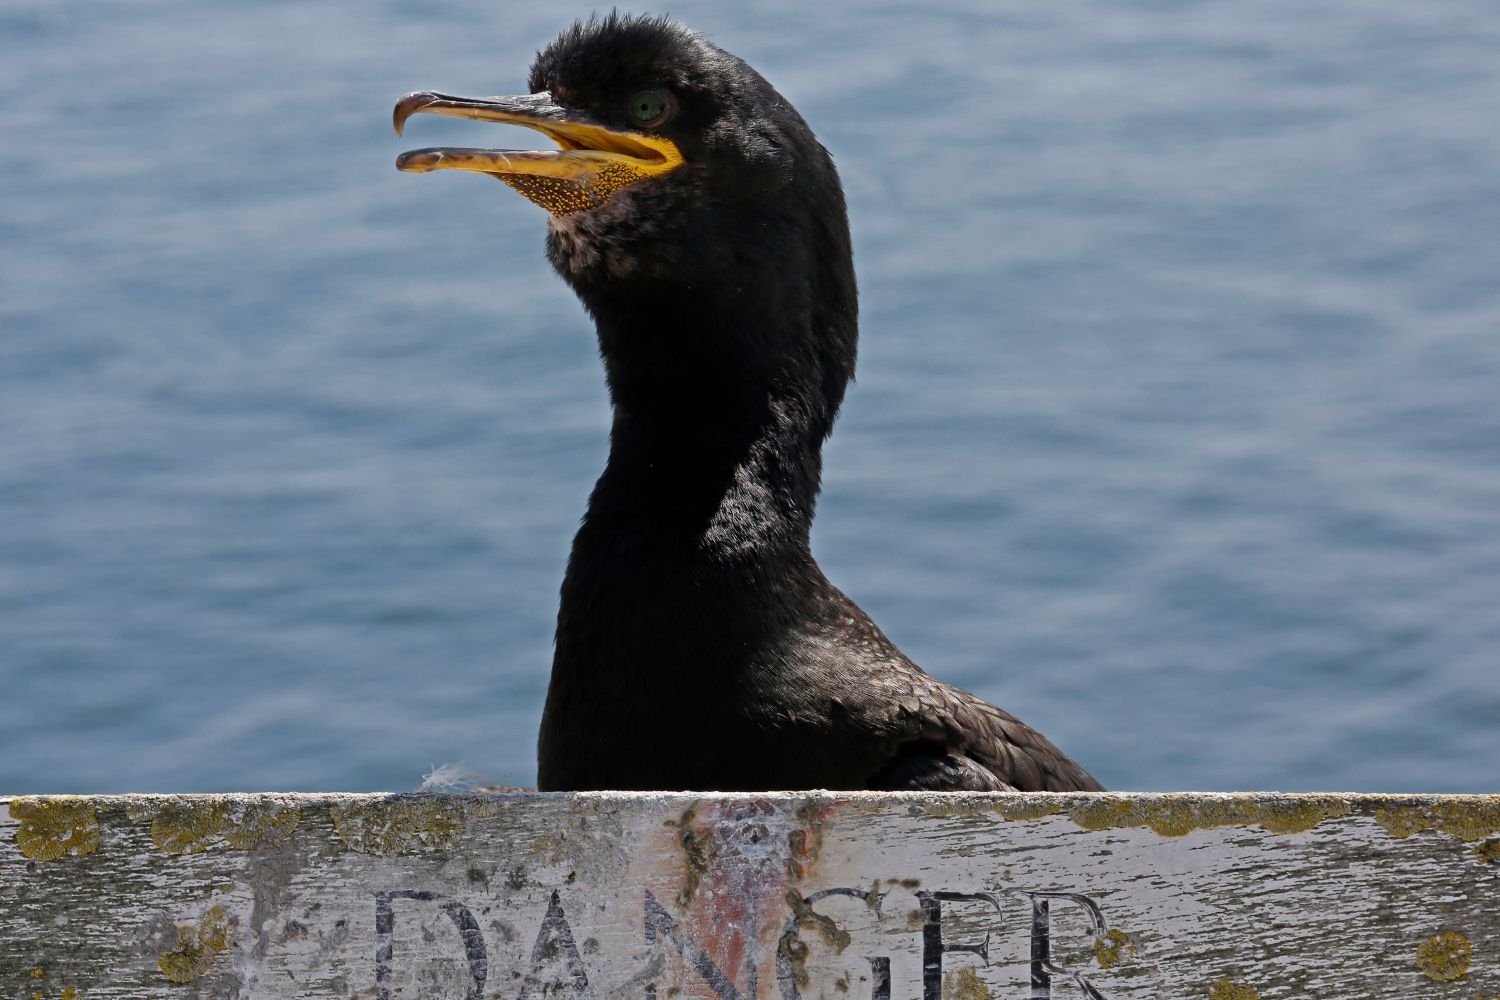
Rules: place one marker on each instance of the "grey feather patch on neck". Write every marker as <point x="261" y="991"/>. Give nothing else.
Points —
<point x="599" y="237"/>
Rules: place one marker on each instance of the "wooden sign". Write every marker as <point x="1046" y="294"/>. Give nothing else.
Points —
<point x="633" y="896"/>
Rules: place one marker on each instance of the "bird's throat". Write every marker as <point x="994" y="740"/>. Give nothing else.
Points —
<point x="718" y="430"/>
<point x="724" y="492"/>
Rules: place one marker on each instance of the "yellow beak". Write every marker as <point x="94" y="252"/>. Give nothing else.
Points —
<point x="591" y="163"/>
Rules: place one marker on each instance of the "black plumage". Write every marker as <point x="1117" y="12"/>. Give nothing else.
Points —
<point x="699" y="646"/>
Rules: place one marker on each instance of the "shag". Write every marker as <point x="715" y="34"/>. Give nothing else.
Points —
<point x="698" y="645"/>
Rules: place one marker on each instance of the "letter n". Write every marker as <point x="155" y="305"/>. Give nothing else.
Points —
<point x="659" y="923"/>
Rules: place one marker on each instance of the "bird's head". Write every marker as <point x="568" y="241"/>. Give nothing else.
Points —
<point x="685" y="194"/>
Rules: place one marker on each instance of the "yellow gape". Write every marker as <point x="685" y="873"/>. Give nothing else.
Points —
<point x="566" y="196"/>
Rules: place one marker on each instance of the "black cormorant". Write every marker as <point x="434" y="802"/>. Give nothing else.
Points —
<point x="699" y="645"/>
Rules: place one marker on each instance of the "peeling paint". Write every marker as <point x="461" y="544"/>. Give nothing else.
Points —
<point x="1173" y="816"/>
<point x="196" y="947"/>
<point x="56" y="825"/>
<point x="965" y="984"/>
<point x="1445" y="957"/>
<point x="1111" y="947"/>
<point x="1226" y="989"/>
<point x="387" y="827"/>
<point x="1469" y="818"/>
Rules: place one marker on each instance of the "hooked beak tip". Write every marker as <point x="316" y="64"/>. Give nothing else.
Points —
<point x="410" y="105"/>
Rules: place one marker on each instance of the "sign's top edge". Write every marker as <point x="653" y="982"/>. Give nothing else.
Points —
<point x="826" y="795"/>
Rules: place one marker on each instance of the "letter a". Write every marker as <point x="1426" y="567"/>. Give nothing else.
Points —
<point x="556" y="953"/>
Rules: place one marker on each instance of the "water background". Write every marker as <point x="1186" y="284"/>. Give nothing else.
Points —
<point x="1177" y="428"/>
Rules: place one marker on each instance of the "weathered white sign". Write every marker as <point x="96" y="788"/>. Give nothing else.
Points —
<point x="750" y="897"/>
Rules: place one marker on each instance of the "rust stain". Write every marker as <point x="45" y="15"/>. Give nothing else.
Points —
<point x="731" y="858"/>
<point x="803" y="843"/>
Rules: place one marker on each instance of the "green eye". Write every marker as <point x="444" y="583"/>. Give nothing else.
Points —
<point x="648" y="107"/>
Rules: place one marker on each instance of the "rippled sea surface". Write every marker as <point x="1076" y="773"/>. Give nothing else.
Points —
<point x="1176" y="429"/>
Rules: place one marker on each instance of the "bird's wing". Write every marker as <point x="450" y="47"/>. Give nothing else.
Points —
<point x="951" y="739"/>
<point x="926" y="734"/>
<point x="928" y="768"/>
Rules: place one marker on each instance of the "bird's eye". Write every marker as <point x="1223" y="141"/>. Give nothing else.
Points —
<point x="649" y="107"/>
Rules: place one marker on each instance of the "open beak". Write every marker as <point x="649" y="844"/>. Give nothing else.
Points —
<point x="591" y="163"/>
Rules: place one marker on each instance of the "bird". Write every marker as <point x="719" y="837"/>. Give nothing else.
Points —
<point x="699" y="646"/>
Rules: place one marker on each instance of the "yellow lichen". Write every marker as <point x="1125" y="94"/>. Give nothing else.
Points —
<point x="188" y="826"/>
<point x="1008" y="806"/>
<point x="1401" y="823"/>
<point x="53" y="826"/>
<point x="1177" y="817"/>
<point x="1027" y="806"/>
<point x="261" y="826"/>
<point x="958" y="805"/>
<point x="1469" y="818"/>
<point x="965" y="984"/>
<point x="1225" y="989"/>
<point x="69" y="993"/>
<point x="38" y="972"/>
<point x="1108" y="948"/>
<point x="387" y="826"/>
<point x="1488" y="852"/>
<point x="1445" y="957"/>
<point x="196" y="947"/>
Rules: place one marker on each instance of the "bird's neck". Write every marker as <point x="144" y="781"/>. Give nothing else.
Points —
<point x="724" y="490"/>
<point x="716" y="445"/>
<point x="726" y="366"/>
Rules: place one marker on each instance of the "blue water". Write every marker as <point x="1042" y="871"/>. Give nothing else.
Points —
<point x="1177" y="429"/>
